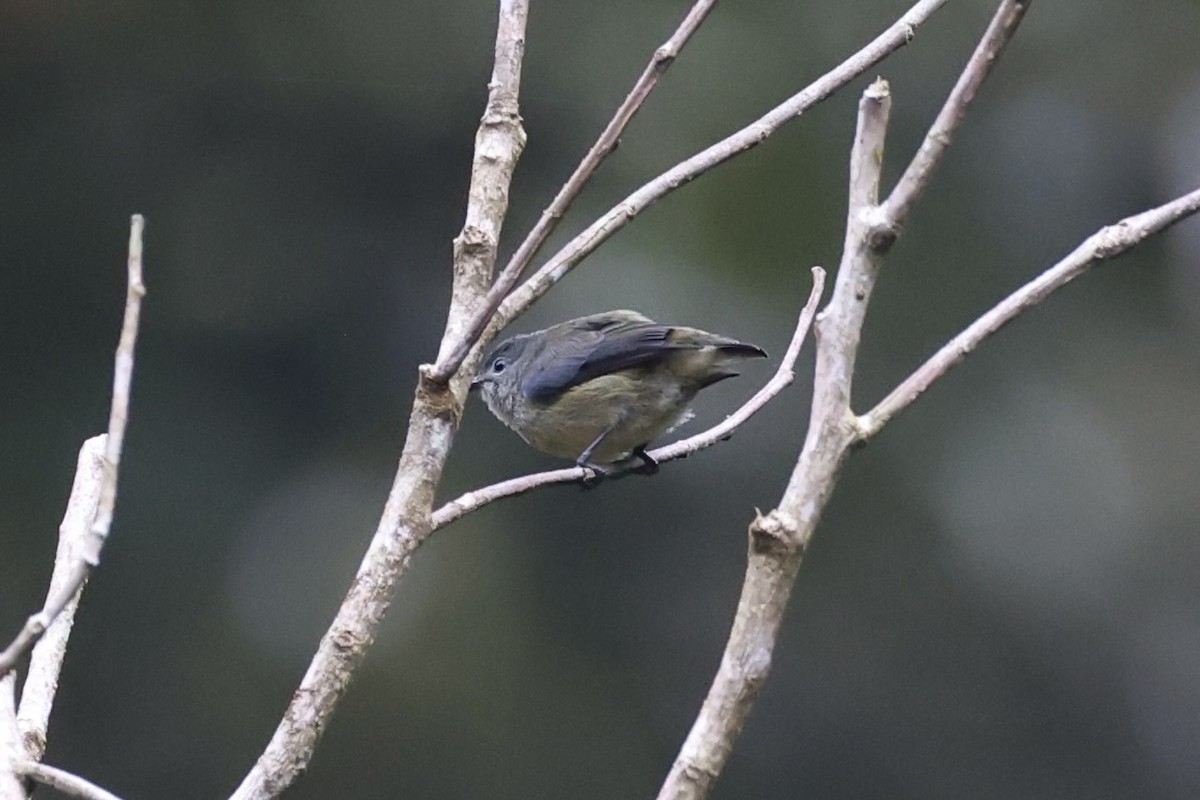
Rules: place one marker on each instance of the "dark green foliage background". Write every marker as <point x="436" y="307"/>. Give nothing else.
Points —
<point x="1001" y="601"/>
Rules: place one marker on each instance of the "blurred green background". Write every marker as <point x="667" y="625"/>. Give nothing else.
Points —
<point x="1001" y="601"/>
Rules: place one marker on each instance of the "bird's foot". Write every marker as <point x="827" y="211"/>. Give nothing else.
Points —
<point x="593" y="476"/>
<point x="648" y="466"/>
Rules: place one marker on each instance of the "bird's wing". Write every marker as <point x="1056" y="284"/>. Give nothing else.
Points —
<point x="598" y="349"/>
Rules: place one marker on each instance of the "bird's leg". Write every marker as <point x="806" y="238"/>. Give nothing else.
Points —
<point x="638" y="462"/>
<point x="649" y="465"/>
<point x="599" y="473"/>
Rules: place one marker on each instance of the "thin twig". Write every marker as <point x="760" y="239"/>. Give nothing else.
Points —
<point x="36" y="625"/>
<point x="66" y="782"/>
<point x="1106" y="243"/>
<point x="916" y="177"/>
<point x="11" y="752"/>
<point x="897" y="35"/>
<point x="118" y="416"/>
<point x="432" y="423"/>
<point x="663" y="57"/>
<point x="782" y="378"/>
<point x="45" y="662"/>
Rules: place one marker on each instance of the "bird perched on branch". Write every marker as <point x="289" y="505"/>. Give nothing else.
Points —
<point x="600" y="388"/>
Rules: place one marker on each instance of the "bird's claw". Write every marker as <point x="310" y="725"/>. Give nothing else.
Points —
<point x="593" y="476"/>
<point x="649" y="465"/>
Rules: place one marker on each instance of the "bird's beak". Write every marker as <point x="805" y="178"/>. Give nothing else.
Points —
<point x="476" y="382"/>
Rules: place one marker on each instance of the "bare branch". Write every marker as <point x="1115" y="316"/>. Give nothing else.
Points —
<point x="1106" y="243"/>
<point x="898" y="34"/>
<point x="437" y="407"/>
<point x="66" y="782"/>
<point x="663" y="57"/>
<point x="45" y="663"/>
<point x="778" y="540"/>
<point x="916" y="177"/>
<point x="122" y="383"/>
<point x="98" y="529"/>
<point x="498" y="145"/>
<point x="783" y="377"/>
<point x="11" y="752"/>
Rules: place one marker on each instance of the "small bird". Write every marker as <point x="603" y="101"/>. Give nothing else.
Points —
<point x="600" y="388"/>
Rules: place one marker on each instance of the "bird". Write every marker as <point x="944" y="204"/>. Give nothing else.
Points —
<point x="599" y="388"/>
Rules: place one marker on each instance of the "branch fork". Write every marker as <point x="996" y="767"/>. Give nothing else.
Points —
<point x="84" y="530"/>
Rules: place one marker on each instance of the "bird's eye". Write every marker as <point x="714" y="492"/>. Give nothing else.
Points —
<point x="498" y="365"/>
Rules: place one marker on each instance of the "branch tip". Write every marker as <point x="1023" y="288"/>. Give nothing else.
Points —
<point x="919" y="172"/>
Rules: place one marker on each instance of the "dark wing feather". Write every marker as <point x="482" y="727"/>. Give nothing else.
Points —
<point x="582" y="355"/>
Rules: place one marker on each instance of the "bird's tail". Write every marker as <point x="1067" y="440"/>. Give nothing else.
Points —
<point x="736" y="349"/>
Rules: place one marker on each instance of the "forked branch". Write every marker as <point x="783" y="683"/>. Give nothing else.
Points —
<point x="1106" y="243"/>
<point x="778" y="539"/>
<point x="87" y="556"/>
<point x="663" y="57"/>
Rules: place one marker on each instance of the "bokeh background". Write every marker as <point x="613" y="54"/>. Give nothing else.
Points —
<point x="1002" y="600"/>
